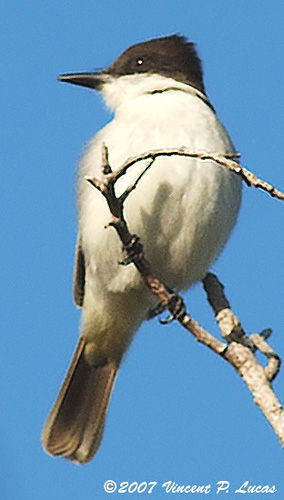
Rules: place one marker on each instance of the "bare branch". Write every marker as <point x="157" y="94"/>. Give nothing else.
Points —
<point x="225" y="160"/>
<point x="240" y="350"/>
<point x="255" y="377"/>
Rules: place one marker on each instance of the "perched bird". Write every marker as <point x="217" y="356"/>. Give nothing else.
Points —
<point x="183" y="210"/>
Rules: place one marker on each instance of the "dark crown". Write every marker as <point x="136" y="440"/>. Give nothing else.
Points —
<point x="171" y="56"/>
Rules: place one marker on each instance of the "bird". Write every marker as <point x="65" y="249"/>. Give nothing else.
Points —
<point x="183" y="210"/>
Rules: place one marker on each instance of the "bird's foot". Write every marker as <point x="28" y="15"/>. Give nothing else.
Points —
<point x="176" y="307"/>
<point x="132" y="251"/>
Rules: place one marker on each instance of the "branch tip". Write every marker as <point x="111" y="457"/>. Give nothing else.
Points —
<point x="106" y="168"/>
<point x="266" y="333"/>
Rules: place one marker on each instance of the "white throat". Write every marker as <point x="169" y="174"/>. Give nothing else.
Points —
<point x="118" y="90"/>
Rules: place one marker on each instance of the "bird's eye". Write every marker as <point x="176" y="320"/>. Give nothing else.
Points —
<point x="139" y="62"/>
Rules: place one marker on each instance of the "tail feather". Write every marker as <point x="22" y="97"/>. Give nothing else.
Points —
<point x="75" y="424"/>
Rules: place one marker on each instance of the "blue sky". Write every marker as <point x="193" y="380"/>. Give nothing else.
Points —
<point x="178" y="412"/>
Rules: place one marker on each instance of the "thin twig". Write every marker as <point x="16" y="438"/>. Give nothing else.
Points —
<point x="135" y="183"/>
<point x="225" y="160"/>
<point x="274" y="361"/>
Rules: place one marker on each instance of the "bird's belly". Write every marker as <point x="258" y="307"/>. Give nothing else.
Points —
<point x="184" y="212"/>
<point x="182" y="209"/>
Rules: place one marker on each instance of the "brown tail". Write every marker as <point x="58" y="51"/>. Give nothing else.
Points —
<point x="75" y="424"/>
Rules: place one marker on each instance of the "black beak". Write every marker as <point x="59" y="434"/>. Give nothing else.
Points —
<point x="91" y="80"/>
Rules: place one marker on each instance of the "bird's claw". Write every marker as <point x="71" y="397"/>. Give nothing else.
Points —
<point x="131" y="251"/>
<point x="177" y="308"/>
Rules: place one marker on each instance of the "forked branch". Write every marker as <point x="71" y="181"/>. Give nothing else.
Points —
<point x="227" y="160"/>
<point x="238" y="349"/>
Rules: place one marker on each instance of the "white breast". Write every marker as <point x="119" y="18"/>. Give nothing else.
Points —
<point x="183" y="209"/>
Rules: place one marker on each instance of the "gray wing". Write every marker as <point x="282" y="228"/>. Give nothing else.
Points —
<point x="79" y="275"/>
